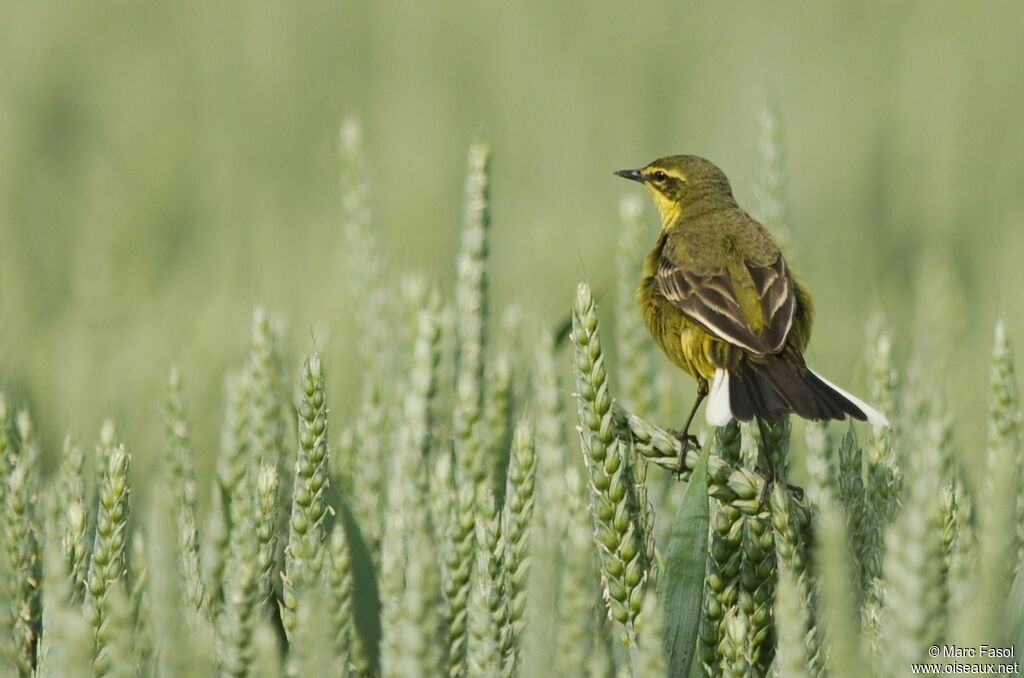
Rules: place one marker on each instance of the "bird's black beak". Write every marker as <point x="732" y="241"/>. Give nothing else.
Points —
<point x="632" y="175"/>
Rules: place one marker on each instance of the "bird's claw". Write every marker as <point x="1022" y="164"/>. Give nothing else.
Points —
<point x="686" y="441"/>
<point x="769" y="479"/>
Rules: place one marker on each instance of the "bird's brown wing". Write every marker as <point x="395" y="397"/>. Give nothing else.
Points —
<point x="758" y="324"/>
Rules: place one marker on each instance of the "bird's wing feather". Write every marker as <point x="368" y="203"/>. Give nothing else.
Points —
<point x="777" y="300"/>
<point x="711" y="300"/>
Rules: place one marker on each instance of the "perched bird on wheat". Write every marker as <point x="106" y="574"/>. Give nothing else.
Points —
<point x="724" y="305"/>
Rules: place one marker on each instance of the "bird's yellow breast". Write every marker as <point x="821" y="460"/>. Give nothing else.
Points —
<point x="688" y="345"/>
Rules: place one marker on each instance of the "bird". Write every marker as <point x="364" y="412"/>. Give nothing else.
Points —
<point x="722" y="302"/>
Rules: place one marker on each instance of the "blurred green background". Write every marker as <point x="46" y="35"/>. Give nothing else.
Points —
<point x="164" y="167"/>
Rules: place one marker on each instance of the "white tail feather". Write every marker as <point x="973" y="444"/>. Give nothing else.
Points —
<point x="718" y="411"/>
<point x="875" y="417"/>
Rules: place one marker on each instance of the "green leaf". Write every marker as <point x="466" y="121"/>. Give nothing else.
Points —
<point x="1013" y="613"/>
<point x="365" y="595"/>
<point x="682" y="583"/>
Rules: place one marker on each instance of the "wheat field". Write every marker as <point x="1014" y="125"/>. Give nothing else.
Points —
<point x="279" y="400"/>
<point x="454" y="526"/>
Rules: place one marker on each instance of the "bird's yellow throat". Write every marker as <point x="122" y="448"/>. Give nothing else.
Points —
<point x="668" y="209"/>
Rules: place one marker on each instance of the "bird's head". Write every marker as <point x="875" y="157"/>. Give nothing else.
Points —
<point x="681" y="184"/>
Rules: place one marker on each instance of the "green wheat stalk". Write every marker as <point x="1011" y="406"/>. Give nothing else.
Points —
<point x="21" y="527"/>
<point x="184" y="644"/>
<point x="517" y="516"/>
<point x="792" y="658"/>
<point x="997" y="535"/>
<point x="361" y="467"/>
<point x="737" y="660"/>
<point x="790" y="549"/>
<point x="266" y="415"/>
<point x="266" y="529"/>
<point x="724" y="560"/>
<point x="470" y="464"/>
<point x="472" y="310"/>
<point x="651" y="660"/>
<point x="861" y="529"/>
<point x="728" y="482"/>
<point x="840" y="618"/>
<point x="66" y="643"/>
<point x="266" y="653"/>
<point x="951" y="495"/>
<point x="492" y="583"/>
<point x="818" y="462"/>
<point x="884" y="481"/>
<point x="410" y="586"/>
<point x="242" y="592"/>
<point x="635" y="372"/>
<point x="116" y="657"/>
<point x="757" y="573"/>
<point x="306" y="551"/>
<point x="362" y="252"/>
<point x="361" y="456"/>
<point x="226" y="489"/>
<point x="883" y="466"/>
<point x="9" y="590"/>
<point x="769" y="186"/>
<point x="140" y="603"/>
<point x="312" y="648"/>
<point x="912" y="616"/>
<point x="549" y="516"/>
<point x="107" y="565"/>
<point x="459" y="563"/>
<point x="339" y="587"/>
<point x="439" y="489"/>
<point x="267" y="452"/>
<point x="69" y="515"/>
<point x="495" y="423"/>
<point x="484" y="653"/>
<point x="182" y="480"/>
<point x="6" y="446"/>
<point x="577" y="603"/>
<point x="617" y="533"/>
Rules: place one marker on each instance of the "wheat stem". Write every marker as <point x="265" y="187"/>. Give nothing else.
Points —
<point x="517" y="518"/>
<point x="617" y="533"/>
<point x="305" y="552"/>
<point x="21" y="527"/>
<point x="472" y="310"/>
<point x="339" y="584"/>
<point x="107" y="566"/>
<point x="66" y="642"/>
<point x="182" y="480"/>
<point x="790" y="548"/>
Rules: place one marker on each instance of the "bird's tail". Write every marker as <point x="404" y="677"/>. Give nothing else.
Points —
<point x="770" y="387"/>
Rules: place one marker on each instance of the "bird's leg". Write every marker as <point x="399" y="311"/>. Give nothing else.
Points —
<point x="684" y="436"/>
<point x="768" y="475"/>
<point x="768" y="471"/>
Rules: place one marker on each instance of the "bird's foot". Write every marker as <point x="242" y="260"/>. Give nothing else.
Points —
<point x="686" y="441"/>
<point x="769" y="479"/>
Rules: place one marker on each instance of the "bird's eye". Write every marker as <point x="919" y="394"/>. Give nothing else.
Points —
<point x="660" y="176"/>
